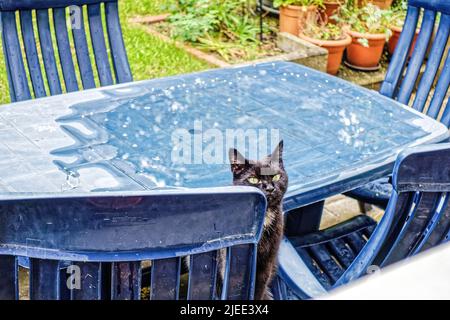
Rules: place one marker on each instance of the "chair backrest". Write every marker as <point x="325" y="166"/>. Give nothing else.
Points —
<point x="102" y="242"/>
<point x="36" y="16"/>
<point x="417" y="217"/>
<point x="403" y="75"/>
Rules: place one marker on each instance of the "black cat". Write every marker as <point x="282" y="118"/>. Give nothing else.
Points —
<point x="270" y="177"/>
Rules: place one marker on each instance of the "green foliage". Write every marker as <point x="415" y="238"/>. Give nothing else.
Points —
<point x="149" y="56"/>
<point x="368" y="19"/>
<point x="318" y="28"/>
<point x="231" y="19"/>
<point x="190" y="26"/>
<point x="280" y="3"/>
<point x="396" y="18"/>
<point x="398" y="13"/>
<point x="400" y="5"/>
<point x="229" y="28"/>
<point x="327" y="32"/>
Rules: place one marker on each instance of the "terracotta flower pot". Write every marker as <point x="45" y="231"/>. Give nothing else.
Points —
<point x="293" y="18"/>
<point x="335" y="50"/>
<point x="393" y="41"/>
<point x="365" y="57"/>
<point x="382" y="4"/>
<point x="331" y="7"/>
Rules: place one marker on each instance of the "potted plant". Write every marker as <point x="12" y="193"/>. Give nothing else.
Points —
<point x="294" y="13"/>
<point x="382" y="4"/>
<point x="330" y="37"/>
<point x="369" y="31"/>
<point x="330" y="8"/>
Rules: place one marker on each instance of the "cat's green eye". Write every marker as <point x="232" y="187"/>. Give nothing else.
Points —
<point x="253" y="180"/>
<point x="276" y="178"/>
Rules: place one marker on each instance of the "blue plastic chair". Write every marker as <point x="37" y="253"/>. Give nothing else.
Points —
<point x="51" y="85"/>
<point x="106" y="238"/>
<point x="403" y="77"/>
<point x="417" y="218"/>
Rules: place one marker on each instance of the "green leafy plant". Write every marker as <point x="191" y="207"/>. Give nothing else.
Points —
<point x="397" y="18"/>
<point x="327" y="31"/>
<point x="317" y="28"/>
<point x="398" y="13"/>
<point x="283" y="3"/>
<point x="190" y="27"/>
<point x="195" y="19"/>
<point x="229" y="28"/>
<point x="367" y="19"/>
<point x="400" y="5"/>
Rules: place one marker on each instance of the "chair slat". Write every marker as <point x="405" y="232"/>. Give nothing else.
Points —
<point x="399" y="59"/>
<point x="90" y="281"/>
<point x="343" y="253"/>
<point x="106" y="280"/>
<point x="415" y="64"/>
<point x="64" y="277"/>
<point x="438" y="228"/>
<point x="165" y="279"/>
<point x="355" y="242"/>
<point x="314" y="267"/>
<point x="412" y="231"/>
<point x="48" y="53"/>
<point x="202" y="276"/>
<point x="242" y="264"/>
<point x="99" y="45"/>
<point x="16" y="68"/>
<point x="126" y="281"/>
<point x="29" y="42"/>
<point x="117" y="46"/>
<point x="82" y="51"/>
<point x="44" y="279"/>
<point x="440" y="91"/>
<point x="446" y="115"/>
<point x="323" y="257"/>
<point x="9" y="279"/>
<point x="406" y="202"/>
<point x="64" y="50"/>
<point x="433" y="64"/>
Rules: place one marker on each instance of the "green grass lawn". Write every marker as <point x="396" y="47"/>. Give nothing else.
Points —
<point x="149" y="56"/>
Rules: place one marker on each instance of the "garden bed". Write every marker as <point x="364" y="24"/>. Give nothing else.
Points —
<point x="227" y="52"/>
<point x="275" y="47"/>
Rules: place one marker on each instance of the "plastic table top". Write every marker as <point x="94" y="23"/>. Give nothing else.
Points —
<point x="175" y="133"/>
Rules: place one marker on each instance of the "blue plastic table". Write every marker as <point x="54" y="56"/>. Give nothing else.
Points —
<point x="337" y="136"/>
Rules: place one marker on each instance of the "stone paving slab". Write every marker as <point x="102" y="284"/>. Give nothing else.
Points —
<point x="341" y="208"/>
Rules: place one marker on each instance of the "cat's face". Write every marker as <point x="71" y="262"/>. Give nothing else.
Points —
<point x="268" y="174"/>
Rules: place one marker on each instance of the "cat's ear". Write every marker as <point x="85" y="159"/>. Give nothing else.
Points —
<point x="277" y="154"/>
<point x="237" y="161"/>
